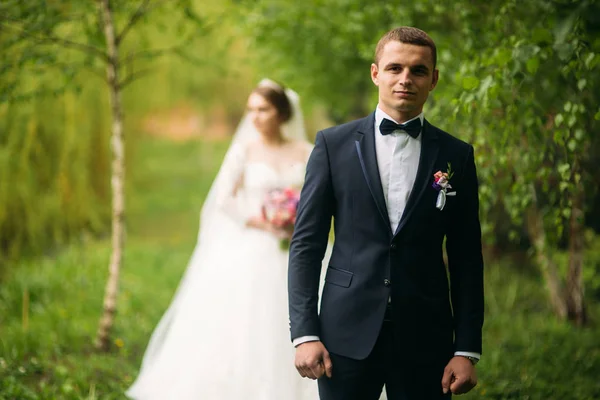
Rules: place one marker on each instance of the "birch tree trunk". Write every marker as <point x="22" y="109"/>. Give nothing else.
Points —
<point x="117" y="179"/>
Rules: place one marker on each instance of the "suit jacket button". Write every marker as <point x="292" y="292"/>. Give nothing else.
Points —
<point x="393" y="246"/>
<point x="387" y="282"/>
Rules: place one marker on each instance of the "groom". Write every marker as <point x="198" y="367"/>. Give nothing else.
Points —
<point x="391" y="311"/>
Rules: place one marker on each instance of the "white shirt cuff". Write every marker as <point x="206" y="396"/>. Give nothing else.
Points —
<point x="467" y="354"/>
<point x="303" y="339"/>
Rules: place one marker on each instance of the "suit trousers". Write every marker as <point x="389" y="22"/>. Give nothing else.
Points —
<point x="364" y="379"/>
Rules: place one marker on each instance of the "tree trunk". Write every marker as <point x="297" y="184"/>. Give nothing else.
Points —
<point x="117" y="179"/>
<point x="537" y="234"/>
<point x="575" y="288"/>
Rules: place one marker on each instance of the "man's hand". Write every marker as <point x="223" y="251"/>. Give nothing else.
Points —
<point x="459" y="376"/>
<point x="312" y="360"/>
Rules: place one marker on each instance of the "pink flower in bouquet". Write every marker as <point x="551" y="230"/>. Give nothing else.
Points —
<point x="279" y="208"/>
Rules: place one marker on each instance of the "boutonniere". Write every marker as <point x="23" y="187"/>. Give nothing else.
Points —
<point x="441" y="183"/>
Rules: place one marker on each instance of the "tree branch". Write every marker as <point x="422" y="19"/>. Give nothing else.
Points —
<point x="133" y="76"/>
<point x="63" y="65"/>
<point x="152" y="53"/>
<point x="136" y="16"/>
<point x="143" y="9"/>
<point x="9" y="96"/>
<point x="86" y="48"/>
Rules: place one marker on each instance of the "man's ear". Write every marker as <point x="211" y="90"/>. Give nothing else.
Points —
<point x="375" y="74"/>
<point x="434" y="80"/>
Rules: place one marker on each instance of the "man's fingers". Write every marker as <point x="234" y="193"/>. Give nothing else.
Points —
<point x="327" y="364"/>
<point x="301" y="371"/>
<point x="305" y="371"/>
<point x="310" y="369"/>
<point x="447" y="379"/>
<point x="462" y="385"/>
<point x="311" y="375"/>
<point x="317" y="370"/>
<point x="312" y="360"/>
<point x="457" y="384"/>
<point x="459" y="376"/>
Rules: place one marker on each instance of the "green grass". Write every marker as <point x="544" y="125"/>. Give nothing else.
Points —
<point x="52" y="357"/>
<point x="527" y="353"/>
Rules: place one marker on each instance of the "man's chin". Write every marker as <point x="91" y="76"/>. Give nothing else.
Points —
<point x="404" y="106"/>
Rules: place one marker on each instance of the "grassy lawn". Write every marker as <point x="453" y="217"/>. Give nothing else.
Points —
<point x="48" y="354"/>
<point x="45" y="347"/>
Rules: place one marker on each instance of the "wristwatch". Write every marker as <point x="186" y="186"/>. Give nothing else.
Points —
<point x="474" y="360"/>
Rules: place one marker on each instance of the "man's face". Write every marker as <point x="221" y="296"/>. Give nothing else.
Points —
<point x="405" y="76"/>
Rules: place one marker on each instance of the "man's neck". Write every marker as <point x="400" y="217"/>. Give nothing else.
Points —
<point x="400" y="116"/>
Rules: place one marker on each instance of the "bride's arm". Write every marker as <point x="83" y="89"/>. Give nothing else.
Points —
<point x="229" y="184"/>
<point x="229" y="190"/>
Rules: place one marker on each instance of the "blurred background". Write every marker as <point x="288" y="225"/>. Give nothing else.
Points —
<point x="519" y="80"/>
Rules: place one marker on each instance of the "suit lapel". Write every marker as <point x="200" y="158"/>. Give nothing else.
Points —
<point x="429" y="152"/>
<point x="365" y="150"/>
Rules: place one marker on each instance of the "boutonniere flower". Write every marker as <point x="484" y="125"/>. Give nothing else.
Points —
<point x="441" y="183"/>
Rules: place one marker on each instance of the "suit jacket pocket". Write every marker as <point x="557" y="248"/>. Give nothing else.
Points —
<point x="338" y="277"/>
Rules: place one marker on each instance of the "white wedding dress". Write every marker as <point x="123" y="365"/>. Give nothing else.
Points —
<point x="226" y="333"/>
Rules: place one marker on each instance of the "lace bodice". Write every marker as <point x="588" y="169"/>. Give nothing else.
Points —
<point x="245" y="182"/>
<point x="260" y="177"/>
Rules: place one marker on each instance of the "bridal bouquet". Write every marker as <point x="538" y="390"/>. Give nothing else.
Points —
<point x="279" y="208"/>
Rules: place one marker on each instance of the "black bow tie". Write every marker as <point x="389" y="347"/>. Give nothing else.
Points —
<point x="413" y="128"/>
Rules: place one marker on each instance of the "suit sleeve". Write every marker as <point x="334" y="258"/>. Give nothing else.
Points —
<point x="309" y="242"/>
<point x="465" y="261"/>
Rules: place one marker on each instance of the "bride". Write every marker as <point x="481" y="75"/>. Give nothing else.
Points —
<point x="225" y="335"/>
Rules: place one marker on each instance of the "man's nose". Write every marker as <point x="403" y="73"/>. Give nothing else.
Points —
<point x="405" y="78"/>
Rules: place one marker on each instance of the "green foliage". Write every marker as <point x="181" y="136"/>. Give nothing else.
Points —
<point x="55" y="120"/>
<point x="529" y="112"/>
<point x="591" y="265"/>
<point x="331" y="56"/>
<point x="325" y="47"/>
<point x="53" y="164"/>
<point x="36" y="35"/>
<point x="525" y="349"/>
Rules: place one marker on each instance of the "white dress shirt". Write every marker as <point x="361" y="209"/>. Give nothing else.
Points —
<point x="398" y="159"/>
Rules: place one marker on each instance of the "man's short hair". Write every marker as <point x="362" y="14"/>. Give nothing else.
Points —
<point x="409" y="35"/>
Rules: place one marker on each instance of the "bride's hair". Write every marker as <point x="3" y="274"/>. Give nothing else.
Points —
<point x="275" y="94"/>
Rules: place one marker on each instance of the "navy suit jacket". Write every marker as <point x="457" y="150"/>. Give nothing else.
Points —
<point x="437" y="308"/>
